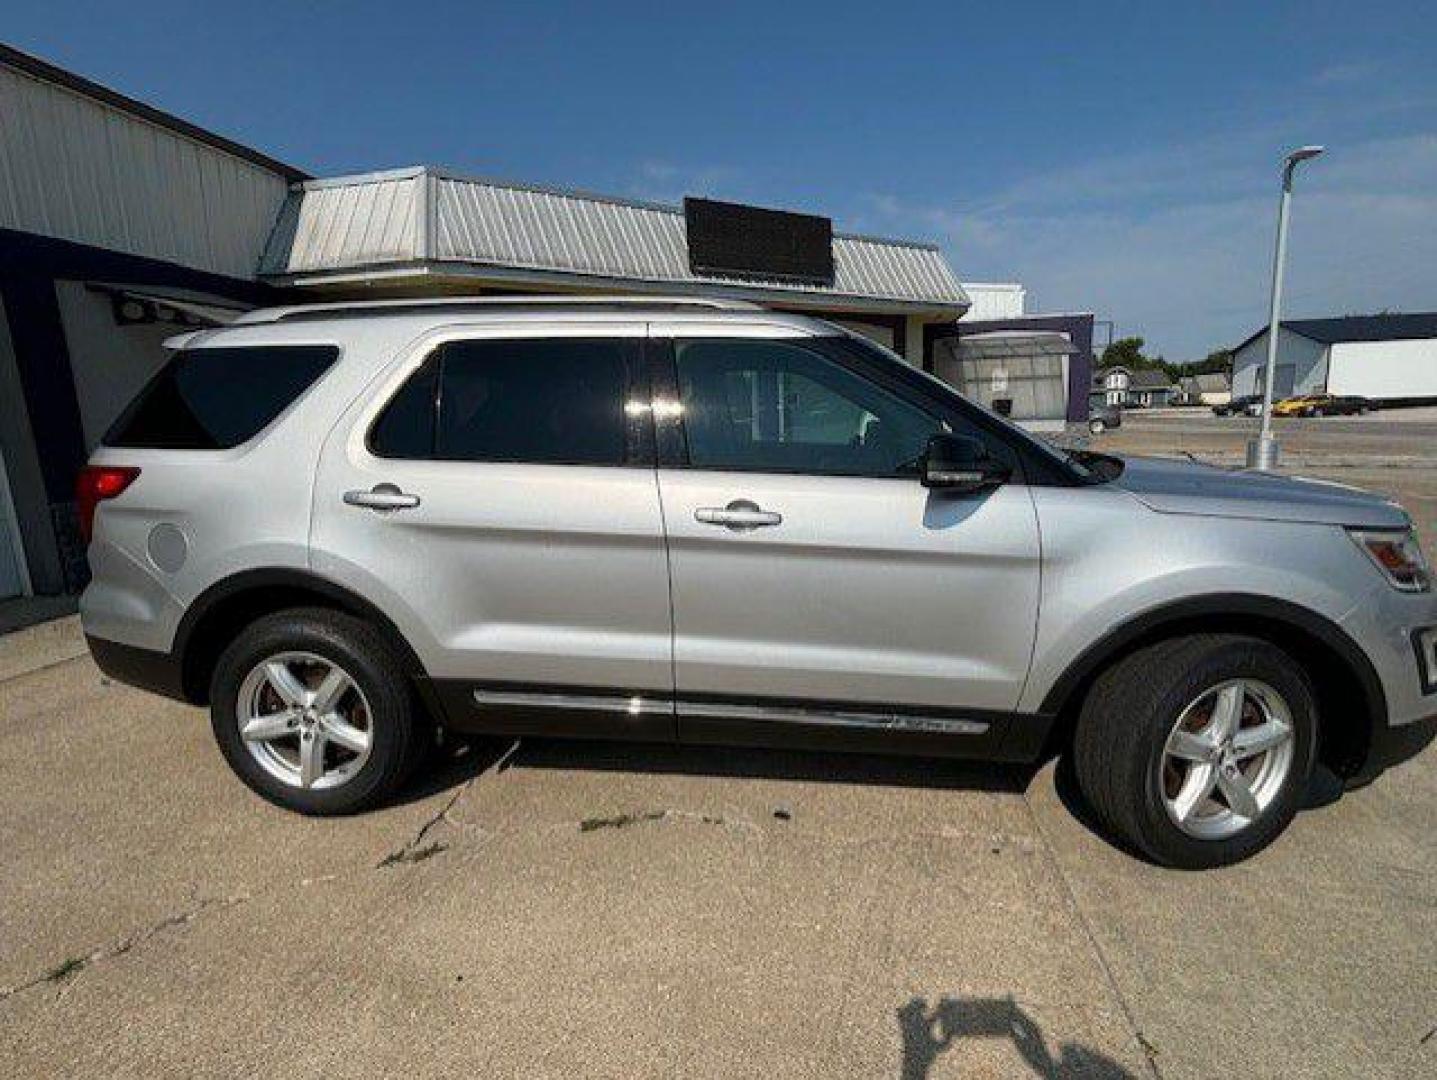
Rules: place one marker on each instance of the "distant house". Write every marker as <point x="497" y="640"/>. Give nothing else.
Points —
<point x="1110" y="385"/>
<point x="1129" y="388"/>
<point x="1209" y="388"/>
<point x="1150" y="389"/>
<point x="1389" y="358"/>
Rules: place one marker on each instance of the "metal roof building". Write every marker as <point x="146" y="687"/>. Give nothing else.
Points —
<point x="1390" y="357"/>
<point x="425" y="226"/>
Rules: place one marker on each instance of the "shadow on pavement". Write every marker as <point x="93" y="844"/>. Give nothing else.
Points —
<point x="928" y="1033"/>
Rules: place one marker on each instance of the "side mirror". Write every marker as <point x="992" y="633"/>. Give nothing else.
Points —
<point x="962" y="465"/>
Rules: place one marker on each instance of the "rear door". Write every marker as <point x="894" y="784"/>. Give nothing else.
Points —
<point x="498" y="499"/>
<point x="816" y="583"/>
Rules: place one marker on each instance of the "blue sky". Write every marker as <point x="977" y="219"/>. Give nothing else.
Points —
<point x="1120" y="158"/>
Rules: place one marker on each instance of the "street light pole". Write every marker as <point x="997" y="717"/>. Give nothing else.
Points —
<point x="1262" y="451"/>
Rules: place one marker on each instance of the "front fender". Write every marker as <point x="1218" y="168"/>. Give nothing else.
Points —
<point x="1115" y="571"/>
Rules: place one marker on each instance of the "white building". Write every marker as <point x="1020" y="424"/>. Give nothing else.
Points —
<point x="989" y="300"/>
<point x="1389" y="358"/>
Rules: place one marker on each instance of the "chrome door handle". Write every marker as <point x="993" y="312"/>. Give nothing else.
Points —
<point x="739" y="515"/>
<point x="381" y="497"/>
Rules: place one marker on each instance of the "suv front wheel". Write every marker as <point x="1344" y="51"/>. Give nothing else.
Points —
<point x="1197" y="750"/>
<point x="312" y="711"/>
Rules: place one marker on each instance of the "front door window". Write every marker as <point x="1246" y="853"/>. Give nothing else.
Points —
<point x="776" y="406"/>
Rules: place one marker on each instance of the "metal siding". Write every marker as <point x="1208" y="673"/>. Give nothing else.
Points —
<point x="361" y="224"/>
<point x="81" y="170"/>
<point x="1384" y="369"/>
<point x="329" y="226"/>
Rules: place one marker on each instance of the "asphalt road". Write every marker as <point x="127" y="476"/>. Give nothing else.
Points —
<point x="562" y="909"/>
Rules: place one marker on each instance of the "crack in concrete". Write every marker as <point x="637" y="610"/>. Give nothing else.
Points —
<point x="411" y="855"/>
<point x="410" y="850"/>
<point x="1150" y="1052"/>
<point x="638" y="817"/>
<point x="414" y="850"/>
<point x="65" y="972"/>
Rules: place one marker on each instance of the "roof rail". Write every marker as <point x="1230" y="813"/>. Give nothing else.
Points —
<point x="467" y="303"/>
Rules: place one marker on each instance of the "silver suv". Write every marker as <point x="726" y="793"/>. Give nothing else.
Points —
<point x="341" y="525"/>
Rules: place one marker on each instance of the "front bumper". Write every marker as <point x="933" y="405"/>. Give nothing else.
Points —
<point x="1391" y="746"/>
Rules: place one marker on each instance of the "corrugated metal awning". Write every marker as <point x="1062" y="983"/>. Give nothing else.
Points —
<point x="422" y="222"/>
<point x="1014" y="345"/>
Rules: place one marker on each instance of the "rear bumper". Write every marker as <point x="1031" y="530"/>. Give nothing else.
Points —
<point x="157" y="672"/>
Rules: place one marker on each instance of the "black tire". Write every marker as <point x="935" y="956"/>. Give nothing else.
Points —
<point x="397" y="729"/>
<point x="1125" y="722"/>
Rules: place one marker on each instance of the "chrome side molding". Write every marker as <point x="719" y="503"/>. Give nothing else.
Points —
<point x="815" y="715"/>
<point x="632" y="704"/>
<point x="847" y="718"/>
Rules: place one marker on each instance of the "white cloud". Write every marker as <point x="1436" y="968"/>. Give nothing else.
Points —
<point x="1346" y="72"/>
<point x="666" y="182"/>
<point x="1175" y="244"/>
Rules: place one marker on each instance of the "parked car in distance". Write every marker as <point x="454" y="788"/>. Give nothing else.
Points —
<point x="1104" y="417"/>
<point x="1322" y="405"/>
<point x="338" y="526"/>
<point x="1244" y="405"/>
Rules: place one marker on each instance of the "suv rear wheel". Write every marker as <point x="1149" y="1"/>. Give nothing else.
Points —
<point x="312" y="711"/>
<point x="1197" y="750"/>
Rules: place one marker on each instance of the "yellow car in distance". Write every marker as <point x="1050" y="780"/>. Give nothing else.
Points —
<point x="1293" y="406"/>
<point x="1323" y="405"/>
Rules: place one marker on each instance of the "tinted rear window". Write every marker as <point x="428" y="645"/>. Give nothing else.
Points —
<point x="546" y="401"/>
<point x="215" y="399"/>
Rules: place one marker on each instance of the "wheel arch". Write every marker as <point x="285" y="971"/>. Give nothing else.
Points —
<point x="227" y="606"/>
<point x="1346" y="682"/>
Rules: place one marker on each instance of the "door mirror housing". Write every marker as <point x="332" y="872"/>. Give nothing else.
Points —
<point x="961" y="465"/>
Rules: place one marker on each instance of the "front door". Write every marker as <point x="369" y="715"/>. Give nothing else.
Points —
<point x="498" y="501"/>
<point x="813" y="577"/>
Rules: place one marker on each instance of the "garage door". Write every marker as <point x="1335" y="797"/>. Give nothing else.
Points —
<point x="12" y="574"/>
<point x="1283" y="379"/>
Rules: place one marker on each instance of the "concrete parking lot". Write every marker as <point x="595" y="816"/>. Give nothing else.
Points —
<point x="561" y="909"/>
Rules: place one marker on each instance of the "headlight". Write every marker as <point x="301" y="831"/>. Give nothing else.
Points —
<point x="1397" y="555"/>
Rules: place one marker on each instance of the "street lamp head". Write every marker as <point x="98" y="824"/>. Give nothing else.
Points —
<point x="1303" y="153"/>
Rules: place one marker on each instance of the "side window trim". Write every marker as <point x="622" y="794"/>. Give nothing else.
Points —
<point x="670" y="435"/>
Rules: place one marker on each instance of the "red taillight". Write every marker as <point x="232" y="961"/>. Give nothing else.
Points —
<point x="95" y="484"/>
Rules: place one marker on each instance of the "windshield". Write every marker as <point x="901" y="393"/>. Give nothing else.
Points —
<point x="1078" y="465"/>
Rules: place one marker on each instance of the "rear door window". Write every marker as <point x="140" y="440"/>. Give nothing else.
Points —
<point x="545" y="401"/>
<point x="218" y="398"/>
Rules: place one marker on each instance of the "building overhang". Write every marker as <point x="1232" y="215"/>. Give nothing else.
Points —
<point x="424" y="229"/>
<point x="467" y="277"/>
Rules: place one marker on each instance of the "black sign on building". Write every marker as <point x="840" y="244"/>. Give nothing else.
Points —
<point x="734" y="240"/>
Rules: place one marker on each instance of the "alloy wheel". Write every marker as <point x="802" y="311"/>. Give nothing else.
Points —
<point x="1226" y="759"/>
<point x="304" y="720"/>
